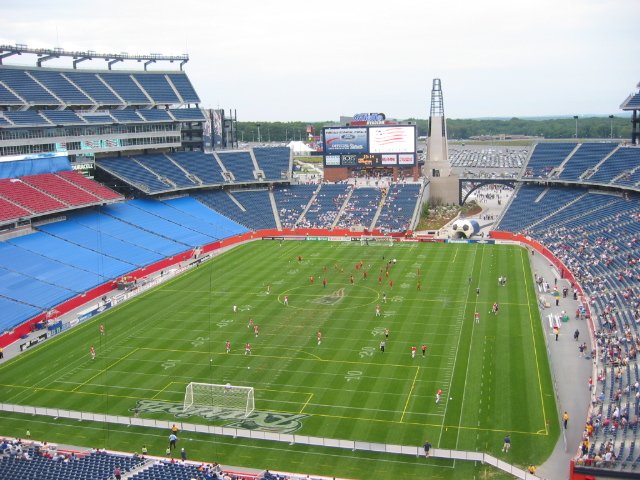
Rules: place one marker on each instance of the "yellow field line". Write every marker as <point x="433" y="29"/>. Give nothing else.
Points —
<point x="406" y="404"/>
<point x="105" y="369"/>
<point x="306" y="403"/>
<point x="533" y="336"/>
<point x="165" y="387"/>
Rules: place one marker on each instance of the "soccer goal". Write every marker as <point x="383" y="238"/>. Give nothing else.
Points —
<point x="376" y="241"/>
<point x="227" y="396"/>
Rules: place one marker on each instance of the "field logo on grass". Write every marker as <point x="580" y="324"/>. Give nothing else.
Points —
<point x="262" y="421"/>
<point x="330" y="299"/>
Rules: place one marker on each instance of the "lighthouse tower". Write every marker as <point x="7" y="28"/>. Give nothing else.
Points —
<point x="443" y="185"/>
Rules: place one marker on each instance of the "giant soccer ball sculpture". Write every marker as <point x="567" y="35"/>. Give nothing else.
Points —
<point x="463" y="228"/>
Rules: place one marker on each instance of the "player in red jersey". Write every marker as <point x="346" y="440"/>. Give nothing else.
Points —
<point x="247" y="349"/>
<point x="424" y="349"/>
<point x="324" y="283"/>
<point x="438" y="394"/>
<point x="286" y="300"/>
<point x="92" y="352"/>
<point x="319" y="337"/>
<point x="377" y="310"/>
<point x="101" y="329"/>
<point x="351" y="279"/>
<point x="227" y="346"/>
<point x="413" y="352"/>
<point x="476" y="317"/>
<point x="311" y="279"/>
<point x="250" y="324"/>
<point x="256" y="330"/>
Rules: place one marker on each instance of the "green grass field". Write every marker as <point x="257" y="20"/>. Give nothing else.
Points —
<point x="494" y="374"/>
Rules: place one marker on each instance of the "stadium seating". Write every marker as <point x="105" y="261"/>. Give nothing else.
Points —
<point x="14" y="313"/>
<point x="28" y="197"/>
<point x="131" y="213"/>
<point x="132" y="172"/>
<point x="28" y="117"/>
<point x="125" y="87"/>
<point x="11" y="211"/>
<point x="62" y="117"/>
<point x="100" y="118"/>
<point x="274" y="162"/>
<point x="207" y="222"/>
<point x="623" y="160"/>
<point x="398" y="208"/>
<point x="184" y="87"/>
<point x="158" y="88"/>
<point x="214" y="223"/>
<point x="102" y="243"/>
<point x="61" y="87"/>
<point x="33" y="292"/>
<point x="165" y="168"/>
<point x="8" y="98"/>
<point x="545" y="157"/>
<point x="259" y="213"/>
<point x="204" y="166"/>
<point x="91" y="84"/>
<point x="81" y="258"/>
<point x="20" y="260"/>
<point x="325" y="207"/>
<point x="105" y="224"/>
<point x="126" y="116"/>
<point x="155" y="115"/>
<point x="24" y="85"/>
<point x="291" y="201"/>
<point x="585" y="158"/>
<point x="532" y="203"/>
<point x="187" y="114"/>
<point x="90" y="186"/>
<point x="240" y="164"/>
<point x="96" y="466"/>
<point x="59" y="188"/>
<point x="223" y="202"/>
<point x="361" y="208"/>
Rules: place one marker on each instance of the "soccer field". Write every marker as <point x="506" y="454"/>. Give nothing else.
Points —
<point x="494" y="374"/>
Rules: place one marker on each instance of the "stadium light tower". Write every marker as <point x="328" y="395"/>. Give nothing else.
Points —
<point x="611" y="126"/>
<point x="575" y="117"/>
<point x="258" y="125"/>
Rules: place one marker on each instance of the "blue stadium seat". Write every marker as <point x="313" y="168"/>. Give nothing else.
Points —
<point x="361" y="208"/>
<point x="165" y="168"/>
<point x="133" y="173"/>
<point x="545" y="157"/>
<point x="157" y="87"/>
<point x="585" y="158"/>
<point x="291" y="201"/>
<point x="274" y="162"/>
<point x="62" y="117"/>
<point x="398" y="208"/>
<point x="20" y="82"/>
<point x="91" y="84"/>
<point x="61" y="87"/>
<point x="155" y="115"/>
<point x="240" y="164"/>
<point x="187" y="114"/>
<point x="202" y="165"/>
<point x="125" y="87"/>
<point x="184" y="87"/>
<point x="28" y="117"/>
<point x="326" y="205"/>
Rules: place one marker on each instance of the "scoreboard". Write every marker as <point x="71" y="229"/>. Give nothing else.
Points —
<point x="370" y="146"/>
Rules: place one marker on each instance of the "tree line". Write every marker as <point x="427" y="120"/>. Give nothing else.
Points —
<point x="618" y="127"/>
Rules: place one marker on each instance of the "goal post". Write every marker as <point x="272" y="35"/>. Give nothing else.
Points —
<point x="231" y="397"/>
<point x="376" y="241"/>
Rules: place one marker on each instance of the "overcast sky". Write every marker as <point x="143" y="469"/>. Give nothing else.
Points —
<point x="313" y="61"/>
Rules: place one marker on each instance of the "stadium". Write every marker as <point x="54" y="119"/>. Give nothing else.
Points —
<point x="281" y="328"/>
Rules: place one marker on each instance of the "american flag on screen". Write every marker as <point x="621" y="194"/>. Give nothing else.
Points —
<point x="389" y="136"/>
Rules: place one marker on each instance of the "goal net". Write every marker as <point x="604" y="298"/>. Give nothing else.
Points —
<point x="227" y="396"/>
<point x="376" y="241"/>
